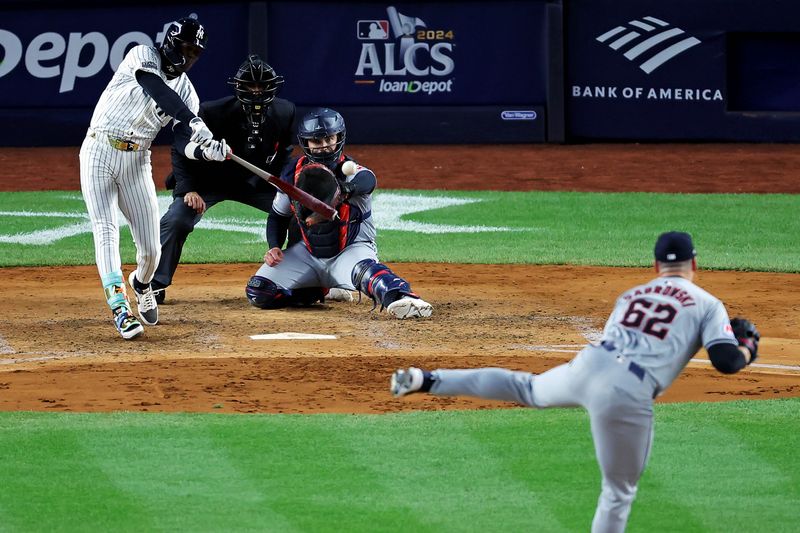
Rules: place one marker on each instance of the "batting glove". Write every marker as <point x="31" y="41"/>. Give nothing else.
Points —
<point x="216" y="151"/>
<point x="200" y="132"/>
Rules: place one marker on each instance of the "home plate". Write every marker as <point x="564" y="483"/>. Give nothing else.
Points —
<point x="290" y="335"/>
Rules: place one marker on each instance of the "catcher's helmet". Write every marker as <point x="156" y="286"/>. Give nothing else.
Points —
<point x="255" y="82"/>
<point x="183" y="42"/>
<point x="318" y="124"/>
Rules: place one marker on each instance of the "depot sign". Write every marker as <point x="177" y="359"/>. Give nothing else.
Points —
<point x="72" y="56"/>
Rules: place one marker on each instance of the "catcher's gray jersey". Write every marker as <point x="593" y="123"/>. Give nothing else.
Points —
<point x="300" y="268"/>
<point x="662" y="324"/>
<point x="126" y="111"/>
<point x="282" y="206"/>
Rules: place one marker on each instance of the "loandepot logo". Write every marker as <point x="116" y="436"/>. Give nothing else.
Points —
<point x="389" y="210"/>
<point x="415" y="52"/>
<point x="651" y="42"/>
<point x="69" y="57"/>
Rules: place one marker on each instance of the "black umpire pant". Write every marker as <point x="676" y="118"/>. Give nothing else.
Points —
<point x="180" y="219"/>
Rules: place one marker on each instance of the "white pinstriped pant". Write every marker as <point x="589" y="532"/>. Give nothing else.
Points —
<point x="111" y="178"/>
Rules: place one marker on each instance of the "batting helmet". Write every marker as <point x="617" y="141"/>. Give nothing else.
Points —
<point x="318" y="124"/>
<point x="183" y="42"/>
<point x="255" y="82"/>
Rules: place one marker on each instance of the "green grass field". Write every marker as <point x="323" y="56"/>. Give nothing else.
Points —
<point x="722" y="467"/>
<point x="750" y="232"/>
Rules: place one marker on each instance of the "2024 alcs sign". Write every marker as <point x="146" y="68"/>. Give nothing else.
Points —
<point x="420" y="53"/>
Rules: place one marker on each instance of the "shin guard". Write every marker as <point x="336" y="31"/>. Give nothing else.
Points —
<point x="377" y="281"/>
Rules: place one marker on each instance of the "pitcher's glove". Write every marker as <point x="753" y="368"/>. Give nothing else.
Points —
<point x="320" y="182"/>
<point x="746" y="335"/>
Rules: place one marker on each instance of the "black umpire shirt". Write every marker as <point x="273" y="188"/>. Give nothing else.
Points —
<point x="227" y="120"/>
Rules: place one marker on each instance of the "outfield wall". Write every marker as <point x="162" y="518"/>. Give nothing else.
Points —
<point x="683" y="70"/>
<point x="509" y="71"/>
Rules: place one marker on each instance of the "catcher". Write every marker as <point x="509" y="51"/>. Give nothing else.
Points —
<point x="337" y="253"/>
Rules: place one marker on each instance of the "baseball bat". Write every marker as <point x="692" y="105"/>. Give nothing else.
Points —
<point x="290" y="190"/>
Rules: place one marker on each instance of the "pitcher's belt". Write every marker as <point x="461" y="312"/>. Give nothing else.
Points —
<point x="634" y="369"/>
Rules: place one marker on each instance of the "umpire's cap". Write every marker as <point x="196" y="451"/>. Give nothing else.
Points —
<point x="674" y="246"/>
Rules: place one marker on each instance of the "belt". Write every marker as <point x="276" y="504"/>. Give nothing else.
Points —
<point x="635" y="369"/>
<point x="121" y="144"/>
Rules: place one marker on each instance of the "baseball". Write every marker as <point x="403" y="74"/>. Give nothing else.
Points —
<point x="349" y="168"/>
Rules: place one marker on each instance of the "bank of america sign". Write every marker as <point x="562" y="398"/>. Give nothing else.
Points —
<point x="650" y="42"/>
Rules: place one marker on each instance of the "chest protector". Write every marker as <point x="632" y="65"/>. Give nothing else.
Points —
<point x="326" y="239"/>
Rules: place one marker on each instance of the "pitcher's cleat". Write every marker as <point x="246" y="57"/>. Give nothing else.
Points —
<point x="406" y="381"/>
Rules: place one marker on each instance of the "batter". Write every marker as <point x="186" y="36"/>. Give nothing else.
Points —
<point x="651" y="335"/>
<point x="149" y="89"/>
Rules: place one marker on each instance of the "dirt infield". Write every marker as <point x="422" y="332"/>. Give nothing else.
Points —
<point x="60" y="352"/>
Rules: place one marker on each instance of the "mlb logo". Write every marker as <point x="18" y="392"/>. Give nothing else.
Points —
<point x="373" y="29"/>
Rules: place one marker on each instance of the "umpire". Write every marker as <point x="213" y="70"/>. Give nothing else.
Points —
<point x="258" y="127"/>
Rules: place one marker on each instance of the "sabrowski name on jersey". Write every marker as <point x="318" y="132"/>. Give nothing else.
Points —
<point x="638" y="93"/>
<point x="672" y="291"/>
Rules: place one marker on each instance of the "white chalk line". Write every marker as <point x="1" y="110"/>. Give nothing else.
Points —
<point x="5" y="347"/>
<point x="389" y="212"/>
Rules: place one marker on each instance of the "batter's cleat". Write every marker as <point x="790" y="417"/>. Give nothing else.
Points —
<point x="161" y="295"/>
<point x="339" y="295"/>
<point x="406" y="381"/>
<point x="145" y="301"/>
<point x="126" y="323"/>
<point x="410" y="307"/>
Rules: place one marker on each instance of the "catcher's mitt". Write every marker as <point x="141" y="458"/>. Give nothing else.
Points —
<point x="746" y="335"/>
<point x="320" y="182"/>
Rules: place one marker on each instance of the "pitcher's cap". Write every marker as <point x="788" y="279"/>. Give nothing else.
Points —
<point x="674" y="246"/>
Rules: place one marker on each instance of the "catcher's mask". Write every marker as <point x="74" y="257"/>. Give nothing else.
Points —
<point x="318" y="124"/>
<point x="320" y="182"/>
<point x="184" y="41"/>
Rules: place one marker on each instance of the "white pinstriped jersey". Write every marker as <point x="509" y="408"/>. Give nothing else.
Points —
<point x="126" y="111"/>
<point x="662" y="324"/>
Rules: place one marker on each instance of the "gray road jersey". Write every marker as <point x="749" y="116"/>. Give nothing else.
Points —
<point x="282" y="205"/>
<point x="126" y="111"/>
<point x="662" y="324"/>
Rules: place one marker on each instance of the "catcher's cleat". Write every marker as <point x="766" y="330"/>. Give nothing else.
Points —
<point x="406" y="381"/>
<point x="145" y="301"/>
<point x="410" y="307"/>
<point x="126" y="323"/>
<point x="339" y="295"/>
